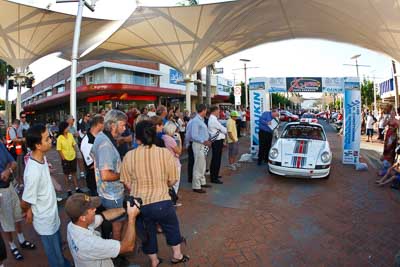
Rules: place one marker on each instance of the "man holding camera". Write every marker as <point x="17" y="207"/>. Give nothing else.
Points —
<point x="85" y="244"/>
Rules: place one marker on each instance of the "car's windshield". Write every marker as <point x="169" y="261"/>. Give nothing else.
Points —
<point x="308" y="116"/>
<point x="299" y="131"/>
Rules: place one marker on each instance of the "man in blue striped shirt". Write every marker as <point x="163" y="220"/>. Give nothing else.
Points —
<point x="200" y="138"/>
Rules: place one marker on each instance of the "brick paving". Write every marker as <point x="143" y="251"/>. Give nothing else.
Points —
<point x="257" y="219"/>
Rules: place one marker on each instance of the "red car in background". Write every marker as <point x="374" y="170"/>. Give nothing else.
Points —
<point x="321" y="115"/>
<point x="287" y="116"/>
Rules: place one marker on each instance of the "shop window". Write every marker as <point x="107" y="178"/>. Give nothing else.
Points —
<point x="49" y="93"/>
<point x="60" y="89"/>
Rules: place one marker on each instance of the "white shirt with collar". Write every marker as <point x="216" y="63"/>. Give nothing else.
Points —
<point x="88" y="248"/>
<point x="214" y="125"/>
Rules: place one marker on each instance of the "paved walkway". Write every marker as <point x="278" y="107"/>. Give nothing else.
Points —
<point x="256" y="219"/>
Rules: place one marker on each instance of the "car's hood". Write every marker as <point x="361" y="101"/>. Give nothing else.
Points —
<point x="300" y="153"/>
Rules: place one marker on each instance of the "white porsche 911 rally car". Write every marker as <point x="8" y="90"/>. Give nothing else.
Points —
<point x="302" y="150"/>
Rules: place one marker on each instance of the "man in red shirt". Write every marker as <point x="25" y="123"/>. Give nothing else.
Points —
<point x="248" y="120"/>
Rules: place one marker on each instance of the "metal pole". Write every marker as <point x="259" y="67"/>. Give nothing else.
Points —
<point x="18" y="104"/>
<point x="74" y="60"/>
<point x="6" y="103"/>
<point x="246" y="89"/>
<point x="375" y="107"/>
<point x="396" y="89"/>
<point x="188" y="95"/>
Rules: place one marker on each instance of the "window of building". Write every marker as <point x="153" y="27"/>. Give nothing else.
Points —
<point x="49" y="93"/>
<point x="60" y="89"/>
<point x="90" y="78"/>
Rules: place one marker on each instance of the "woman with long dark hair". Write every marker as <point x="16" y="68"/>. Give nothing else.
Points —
<point x="148" y="171"/>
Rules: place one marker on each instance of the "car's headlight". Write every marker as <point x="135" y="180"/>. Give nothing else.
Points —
<point x="325" y="157"/>
<point x="273" y="154"/>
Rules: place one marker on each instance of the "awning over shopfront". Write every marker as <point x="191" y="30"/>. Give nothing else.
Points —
<point x="190" y="38"/>
<point x="28" y="33"/>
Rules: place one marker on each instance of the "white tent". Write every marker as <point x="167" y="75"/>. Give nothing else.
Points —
<point x="29" y="33"/>
<point x="189" y="38"/>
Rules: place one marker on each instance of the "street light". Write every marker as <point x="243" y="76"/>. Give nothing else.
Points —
<point x="246" y="88"/>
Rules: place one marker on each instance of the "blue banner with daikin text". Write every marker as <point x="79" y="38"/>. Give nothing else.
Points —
<point x="258" y="104"/>
<point x="352" y="121"/>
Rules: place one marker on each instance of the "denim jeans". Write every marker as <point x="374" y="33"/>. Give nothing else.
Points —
<point x="164" y="214"/>
<point x="53" y="247"/>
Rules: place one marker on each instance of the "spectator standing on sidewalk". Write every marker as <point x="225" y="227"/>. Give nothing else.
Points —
<point x="14" y="146"/>
<point x="382" y="121"/>
<point x="162" y="112"/>
<point x="233" y="141"/>
<point x="97" y="125"/>
<point x="217" y="132"/>
<point x="390" y="142"/>
<point x="10" y="210"/>
<point x="188" y="144"/>
<point x="173" y="143"/>
<point x="107" y="165"/>
<point x="39" y="197"/>
<point x="75" y="134"/>
<point x="200" y="145"/>
<point x="66" y="146"/>
<point x="370" y="126"/>
<point x="148" y="171"/>
<point x="248" y="120"/>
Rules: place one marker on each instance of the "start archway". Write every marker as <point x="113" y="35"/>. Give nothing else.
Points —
<point x="261" y="88"/>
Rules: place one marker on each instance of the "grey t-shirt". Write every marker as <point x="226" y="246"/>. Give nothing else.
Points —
<point x="13" y="133"/>
<point x="106" y="157"/>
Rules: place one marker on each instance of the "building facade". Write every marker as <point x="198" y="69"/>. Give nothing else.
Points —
<point x="112" y="84"/>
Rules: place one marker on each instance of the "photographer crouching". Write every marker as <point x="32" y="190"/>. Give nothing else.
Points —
<point x="86" y="245"/>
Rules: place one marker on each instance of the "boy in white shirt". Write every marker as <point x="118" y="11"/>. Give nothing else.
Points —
<point x="39" y="197"/>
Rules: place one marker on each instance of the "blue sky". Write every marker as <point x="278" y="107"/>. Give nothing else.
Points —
<point x="297" y="57"/>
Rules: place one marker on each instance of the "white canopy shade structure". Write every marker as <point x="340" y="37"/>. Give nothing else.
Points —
<point x="28" y="33"/>
<point x="192" y="37"/>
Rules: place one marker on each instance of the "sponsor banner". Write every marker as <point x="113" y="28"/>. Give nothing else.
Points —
<point x="237" y="91"/>
<point x="276" y="85"/>
<point x="304" y="84"/>
<point x="332" y="85"/>
<point x="238" y="100"/>
<point x="258" y="104"/>
<point x="352" y="121"/>
<point x="175" y="77"/>
<point x="256" y="85"/>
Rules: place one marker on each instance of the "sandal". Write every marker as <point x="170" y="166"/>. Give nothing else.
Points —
<point x="185" y="258"/>
<point x="27" y="244"/>
<point x="17" y="255"/>
<point x="159" y="261"/>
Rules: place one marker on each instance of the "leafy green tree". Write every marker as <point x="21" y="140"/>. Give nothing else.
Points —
<point x="5" y="70"/>
<point x="367" y="92"/>
<point x="280" y="100"/>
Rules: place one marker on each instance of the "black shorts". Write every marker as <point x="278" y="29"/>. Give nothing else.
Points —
<point x="370" y="132"/>
<point x="68" y="166"/>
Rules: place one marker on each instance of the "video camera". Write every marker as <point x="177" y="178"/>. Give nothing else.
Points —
<point x="133" y="201"/>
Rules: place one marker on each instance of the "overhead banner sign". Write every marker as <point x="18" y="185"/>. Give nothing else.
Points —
<point x="352" y="121"/>
<point x="258" y="104"/>
<point x="276" y="85"/>
<point x="304" y="85"/>
<point x="175" y="77"/>
<point x="332" y="85"/>
<point x="256" y="85"/>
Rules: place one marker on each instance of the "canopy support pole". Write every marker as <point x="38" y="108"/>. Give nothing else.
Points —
<point x="188" y="94"/>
